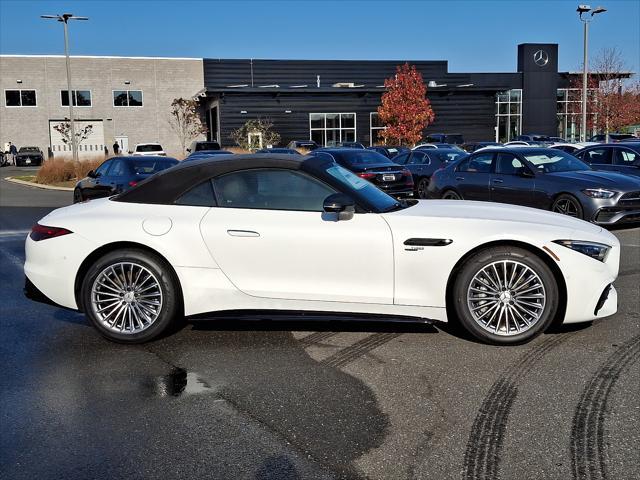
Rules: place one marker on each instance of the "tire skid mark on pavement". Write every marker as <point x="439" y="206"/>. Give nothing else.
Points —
<point x="358" y="349"/>
<point x="314" y="338"/>
<point x="589" y="458"/>
<point x="482" y="454"/>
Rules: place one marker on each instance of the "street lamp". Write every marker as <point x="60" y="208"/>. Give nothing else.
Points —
<point x="583" y="10"/>
<point x="64" y="18"/>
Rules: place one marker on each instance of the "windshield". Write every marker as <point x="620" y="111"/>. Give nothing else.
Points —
<point x="551" y="161"/>
<point x="360" y="157"/>
<point x="147" y="167"/>
<point x="149" y="148"/>
<point x="207" y="146"/>
<point x="448" y="157"/>
<point x="28" y="149"/>
<point x="372" y="194"/>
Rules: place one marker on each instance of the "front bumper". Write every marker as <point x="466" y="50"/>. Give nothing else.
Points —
<point x="615" y="215"/>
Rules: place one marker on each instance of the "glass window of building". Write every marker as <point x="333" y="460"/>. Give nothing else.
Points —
<point x="569" y="102"/>
<point x="375" y="129"/>
<point x="81" y="98"/>
<point x="127" y="98"/>
<point x="331" y="128"/>
<point x="20" y="98"/>
<point x="508" y="115"/>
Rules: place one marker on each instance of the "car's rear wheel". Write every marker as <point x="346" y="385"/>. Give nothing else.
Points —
<point x="505" y="295"/>
<point x="130" y="296"/>
<point x="77" y="196"/>
<point x="423" y="186"/>
<point x="451" y="195"/>
<point x="568" y="205"/>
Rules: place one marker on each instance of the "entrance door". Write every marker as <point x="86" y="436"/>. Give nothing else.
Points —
<point x="123" y="141"/>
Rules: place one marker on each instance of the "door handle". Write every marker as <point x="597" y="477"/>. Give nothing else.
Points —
<point x="243" y="233"/>
<point x="459" y="178"/>
<point x="497" y="180"/>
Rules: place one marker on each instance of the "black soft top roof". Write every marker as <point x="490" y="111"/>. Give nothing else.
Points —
<point x="166" y="186"/>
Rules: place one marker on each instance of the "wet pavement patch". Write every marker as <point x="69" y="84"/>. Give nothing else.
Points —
<point x="176" y="383"/>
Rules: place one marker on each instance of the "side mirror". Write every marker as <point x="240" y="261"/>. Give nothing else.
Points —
<point x="189" y="150"/>
<point x="341" y="204"/>
<point x="526" y="173"/>
<point x="91" y="174"/>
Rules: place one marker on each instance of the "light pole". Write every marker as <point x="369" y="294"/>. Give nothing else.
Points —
<point x="584" y="9"/>
<point x="64" y="18"/>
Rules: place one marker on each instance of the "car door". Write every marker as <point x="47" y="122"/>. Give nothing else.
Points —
<point x="626" y="161"/>
<point x="118" y="176"/>
<point x="95" y="186"/>
<point x="271" y="238"/>
<point x="473" y="176"/>
<point x="512" y="181"/>
<point x="599" y="158"/>
<point x="417" y="164"/>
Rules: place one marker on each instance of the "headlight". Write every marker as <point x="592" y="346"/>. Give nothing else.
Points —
<point x="594" y="250"/>
<point x="598" y="193"/>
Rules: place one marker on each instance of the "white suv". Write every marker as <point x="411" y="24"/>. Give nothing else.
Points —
<point x="149" y="149"/>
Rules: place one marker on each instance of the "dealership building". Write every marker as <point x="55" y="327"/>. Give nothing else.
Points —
<point x="127" y="99"/>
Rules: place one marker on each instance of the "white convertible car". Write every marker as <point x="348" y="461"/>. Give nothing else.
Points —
<point x="269" y="232"/>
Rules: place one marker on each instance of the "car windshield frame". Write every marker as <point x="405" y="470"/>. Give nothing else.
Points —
<point x="570" y="163"/>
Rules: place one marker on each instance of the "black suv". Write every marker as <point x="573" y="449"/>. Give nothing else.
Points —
<point x="29" y="157"/>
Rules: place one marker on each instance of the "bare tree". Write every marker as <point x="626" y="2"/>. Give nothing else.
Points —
<point x="64" y="129"/>
<point x="185" y="121"/>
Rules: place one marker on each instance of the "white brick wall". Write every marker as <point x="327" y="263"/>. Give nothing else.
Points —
<point x="160" y="79"/>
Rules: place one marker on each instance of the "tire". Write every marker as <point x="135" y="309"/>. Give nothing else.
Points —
<point x="77" y="196"/>
<point x="451" y="195"/>
<point x="136" y="318"/>
<point x="568" y="205"/>
<point x="422" y="188"/>
<point x="495" y="314"/>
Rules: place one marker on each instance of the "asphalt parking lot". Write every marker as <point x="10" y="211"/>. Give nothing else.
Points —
<point x="306" y="399"/>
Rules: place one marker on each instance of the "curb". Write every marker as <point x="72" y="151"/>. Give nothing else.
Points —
<point x="37" y="185"/>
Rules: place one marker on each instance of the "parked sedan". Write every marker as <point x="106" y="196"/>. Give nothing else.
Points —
<point x="203" y="146"/>
<point x="378" y="169"/>
<point x="284" y="232"/>
<point x="29" y="157"/>
<point x="623" y="157"/>
<point x="119" y="174"/>
<point x="422" y="164"/>
<point x="472" y="147"/>
<point x="389" y="152"/>
<point x="542" y="178"/>
<point x="288" y="151"/>
<point x="305" y="144"/>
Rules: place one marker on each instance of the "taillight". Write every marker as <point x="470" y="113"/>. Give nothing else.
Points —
<point x="133" y="183"/>
<point x="367" y="176"/>
<point x="408" y="175"/>
<point x="42" y="232"/>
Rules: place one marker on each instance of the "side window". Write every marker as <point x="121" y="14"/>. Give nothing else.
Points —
<point x="508" y="164"/>
<point x="199" y="196"/>
<point x="598" y="156"/>
<point x="118" y="169"/>
<point x="625" y="156"/>
<point x="480" y="163"/>
<point x="101" y="171"/>
<point x="272" y="190"/>
<point x="324" y="155"/>
<point x="401" y="159"/>
<point x="418" y="158"/>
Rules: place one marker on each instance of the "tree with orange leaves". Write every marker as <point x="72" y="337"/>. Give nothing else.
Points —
<point x="405" y="109"/>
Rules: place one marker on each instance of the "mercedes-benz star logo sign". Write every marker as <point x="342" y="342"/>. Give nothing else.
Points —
<point x="541" y="58"/>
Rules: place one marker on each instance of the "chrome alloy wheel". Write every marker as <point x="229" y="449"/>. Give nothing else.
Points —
<point x="126" y="297"/>
<point x="506" y="297"/>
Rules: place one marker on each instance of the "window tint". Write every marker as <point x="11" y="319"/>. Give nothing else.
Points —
<point x="148" y="166"/>
<point x="119" y="169"/>
<point x="480" y="163"/>
<point x="598" y="156"/>
<point x="419" y="158"/>
<point x="199" y="196"/>
<point x="508" y="164"/>
<point x="401" y="159"/>
<point x="102" y="169"/>
<point x="271" y="189"/>
<point x="625" y="156"/>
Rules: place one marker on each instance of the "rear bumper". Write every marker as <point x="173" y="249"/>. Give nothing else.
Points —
<point x="32" y="293"/>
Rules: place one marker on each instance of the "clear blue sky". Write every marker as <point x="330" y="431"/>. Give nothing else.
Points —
<point x="475" y="35"/>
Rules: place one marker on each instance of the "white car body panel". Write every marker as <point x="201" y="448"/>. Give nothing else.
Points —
<point x="309" y="261"/>
<point x="160" y="152"/>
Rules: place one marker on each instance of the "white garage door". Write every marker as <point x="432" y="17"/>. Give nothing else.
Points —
<point x="93" y="145"/>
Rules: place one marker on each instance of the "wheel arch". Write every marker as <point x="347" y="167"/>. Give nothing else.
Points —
<point x="110" y="247"/>
<point x="540" y="253"/>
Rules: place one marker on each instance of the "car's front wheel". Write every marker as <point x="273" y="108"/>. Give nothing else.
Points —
<point x="568" y="205"/>
<point x="423" y="186"/>
<point x="130" y="296"/>
<point x="505" y="295"/>
<point x="451" y="195"/>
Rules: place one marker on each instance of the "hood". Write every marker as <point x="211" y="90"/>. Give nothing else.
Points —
<point x="501" y="212"/>
<point x="599" y="178"/>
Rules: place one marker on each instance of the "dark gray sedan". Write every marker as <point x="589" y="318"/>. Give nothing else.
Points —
<point x="542" y="178"/>
<point x="623" y="157"/>
<point x="422" y="164"/>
